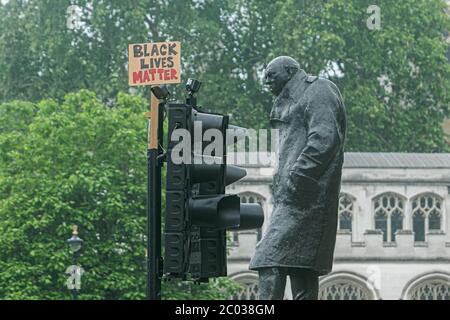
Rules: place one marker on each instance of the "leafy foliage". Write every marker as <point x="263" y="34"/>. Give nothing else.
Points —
<point x="77" y="158"/>
<point x="395" y="81"/>
<point x="78" y="162"/>
<point x="225" y="44"/>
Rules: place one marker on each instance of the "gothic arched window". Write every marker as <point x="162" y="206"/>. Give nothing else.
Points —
<point x="389" y="212"/>
<point x="434" y="220"/>
<point x="346" y="203"/>
<point x="249" y="290"/>
<point x="396" y="223"/>
<point x="431" y="290"/>
<point x="344" y="288"/>
<point x="381" y="223"/>
<point x="426" y="215"/>
<point x="432" y="287"/>
<point x="419" y="226"/>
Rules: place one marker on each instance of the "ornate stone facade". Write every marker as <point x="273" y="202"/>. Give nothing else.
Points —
<point x="393" y="235"/>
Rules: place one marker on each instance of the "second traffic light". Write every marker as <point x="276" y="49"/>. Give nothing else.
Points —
<point x="198" y="212"/>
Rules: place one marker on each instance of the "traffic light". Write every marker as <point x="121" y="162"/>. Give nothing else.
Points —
<point x="198" y="212"/>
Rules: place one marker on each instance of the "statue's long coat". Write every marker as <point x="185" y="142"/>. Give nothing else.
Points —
<point x="310" y="116"/>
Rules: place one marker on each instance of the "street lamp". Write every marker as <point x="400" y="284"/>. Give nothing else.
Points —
<point x="75" y="244"/>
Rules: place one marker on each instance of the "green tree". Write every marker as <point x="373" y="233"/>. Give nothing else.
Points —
<point x="225" y="44"/>
<point x="238" y="42"/>
<point x="408" y="54"/>
<point x="43" y="54"/>
<point x="77" y="162"/>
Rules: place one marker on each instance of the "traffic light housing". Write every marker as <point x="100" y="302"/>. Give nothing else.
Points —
<point x="198" y="212"/>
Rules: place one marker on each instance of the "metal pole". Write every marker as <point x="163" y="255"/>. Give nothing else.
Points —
<point x="154" y="204"/>
<point x="75" y="263"/>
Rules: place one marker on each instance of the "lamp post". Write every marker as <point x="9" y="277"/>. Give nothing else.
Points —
<point x="75" y="244"/>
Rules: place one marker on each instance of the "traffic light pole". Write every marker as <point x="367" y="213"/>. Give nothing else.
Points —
<point x="154" y="260"/>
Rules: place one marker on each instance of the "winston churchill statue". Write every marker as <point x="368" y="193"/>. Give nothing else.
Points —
<point x="300" y="238"/>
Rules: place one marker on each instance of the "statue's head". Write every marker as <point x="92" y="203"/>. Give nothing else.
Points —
<point x="278" y="72"/>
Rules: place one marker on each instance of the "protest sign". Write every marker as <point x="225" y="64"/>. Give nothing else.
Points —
<point x="154" y="63"/>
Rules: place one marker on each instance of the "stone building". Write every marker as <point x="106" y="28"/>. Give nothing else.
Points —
<point x="393" y="237"/>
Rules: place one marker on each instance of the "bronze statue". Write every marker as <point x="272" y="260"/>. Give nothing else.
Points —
<point x="300" y="239"/>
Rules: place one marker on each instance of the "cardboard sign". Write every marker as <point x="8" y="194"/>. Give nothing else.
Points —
<point x="154" y="63"/>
